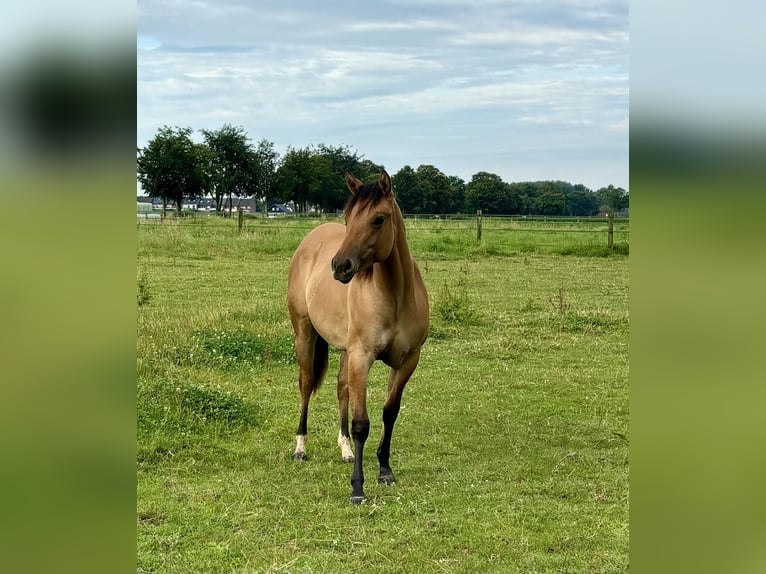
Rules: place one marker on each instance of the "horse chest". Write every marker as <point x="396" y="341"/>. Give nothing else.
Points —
<point x="396" y="353"/>
<point x="384" y="342"/>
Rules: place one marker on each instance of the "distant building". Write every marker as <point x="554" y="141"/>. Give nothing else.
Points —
<point x="278" y="209"/>
<point x="205" y="204"/>
<point x="144" y="210"/>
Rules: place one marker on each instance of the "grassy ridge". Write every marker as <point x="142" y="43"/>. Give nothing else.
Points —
<point x="511" y="447"/>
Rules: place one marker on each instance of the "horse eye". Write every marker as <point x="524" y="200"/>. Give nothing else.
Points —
<point x="379" y="220"/>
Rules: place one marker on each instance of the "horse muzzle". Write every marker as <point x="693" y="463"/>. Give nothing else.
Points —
<point x="343" y="270"/>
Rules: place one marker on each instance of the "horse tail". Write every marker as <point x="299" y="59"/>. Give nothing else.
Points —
<point x="320" y="362"/>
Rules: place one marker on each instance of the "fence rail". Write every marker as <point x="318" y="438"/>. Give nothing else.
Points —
<point x="483" y="226"/>
<point x="194" y="216"/>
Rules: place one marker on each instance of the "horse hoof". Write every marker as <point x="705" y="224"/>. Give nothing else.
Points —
<point x="386" y="479"/>
<point x="358" y="499"/>
<point x="348" y="459"/>
<point x="300" y="456"/>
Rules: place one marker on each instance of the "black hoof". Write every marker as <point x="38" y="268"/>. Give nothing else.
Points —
<point x="348" y="459"/>
<point x="386" y="478"/>
<point x="358" y="499"/>
<point x="300" y="456"/>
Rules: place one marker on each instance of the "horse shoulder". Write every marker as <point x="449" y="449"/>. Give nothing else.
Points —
<point x="325" y="297"/>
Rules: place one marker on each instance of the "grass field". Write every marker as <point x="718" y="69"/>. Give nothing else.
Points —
<point x="511" y="448"/>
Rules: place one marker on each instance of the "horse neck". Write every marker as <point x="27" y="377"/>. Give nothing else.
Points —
<point x="398" y="270"/>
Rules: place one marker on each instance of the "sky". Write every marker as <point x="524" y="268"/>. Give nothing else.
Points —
<point x="524" y="89"/>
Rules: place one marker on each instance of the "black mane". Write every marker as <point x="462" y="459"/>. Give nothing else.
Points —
<point x="368" y="194"/>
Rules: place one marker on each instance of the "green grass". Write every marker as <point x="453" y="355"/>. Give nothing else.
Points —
<point x="511" y="449"/>
<point x="207" y="237"/>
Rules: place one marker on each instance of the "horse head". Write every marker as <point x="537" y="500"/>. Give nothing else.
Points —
<point x="370" y="227"/>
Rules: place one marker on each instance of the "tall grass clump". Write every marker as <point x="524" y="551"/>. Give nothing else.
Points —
<point x="228" y="348"/>
<point x="593" y="250"/>
<point x="143" y="295"/>
<point x="183" y="407"/>
<point x="188" y="423"/>
<point x="453" y="303"/>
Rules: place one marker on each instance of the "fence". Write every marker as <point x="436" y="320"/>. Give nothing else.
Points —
<point x="492" y="230"/>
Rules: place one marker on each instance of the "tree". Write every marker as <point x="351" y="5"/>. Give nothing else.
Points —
<point x="584" y="203"/>
<point x="173" y="167"/>
<point x="325" y="189"/>
<point x="456" y="200"/>
<point x="526" y="193"/>
<point x="267" y="160"/>
<point x="313" y="176"/>
<point x="488" y="192"/>
<point x="234" y="163"/>
<point x="330" y="163"/>
<point x="407" y="190"/>
<point x="368" y="170"/>
<point x="551" y="202"/>
<point x="612" y="198"/>
<point x="294" y="177"/>
<point x="434" y="189"/>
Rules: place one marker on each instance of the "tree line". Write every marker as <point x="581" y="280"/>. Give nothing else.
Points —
<point x="228" y="164"/>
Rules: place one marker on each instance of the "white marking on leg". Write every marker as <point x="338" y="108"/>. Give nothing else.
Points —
<point x="300" y="444"/>
<point x="345" y="447"/>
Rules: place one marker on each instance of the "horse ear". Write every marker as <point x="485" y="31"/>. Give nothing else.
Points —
<point x="385" y="182"/>
<point x="352" y="183"/>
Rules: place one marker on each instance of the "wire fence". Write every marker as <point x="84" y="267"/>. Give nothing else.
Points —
<point x="497" y="230"/>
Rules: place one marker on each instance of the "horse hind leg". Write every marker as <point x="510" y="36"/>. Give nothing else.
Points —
<point x="344" y="439"/>
<point x="311" y="352"/>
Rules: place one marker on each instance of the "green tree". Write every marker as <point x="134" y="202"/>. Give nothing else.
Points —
<point x="406" y="189"/>
<point x="612" y="198"/>
<point x="313" y="176"/>
<point x="234" y="164"/>
<point x="368" y="170"/>
<point x="329" y="163"/>
<point x="583" y="203"/>
<point x="434" y="187"/>
<point x="488" y="192"/>
<point x="551" y="202"/>
<point x="267" y="161"/>
<point x="294" y="177"/>
<point x="526" y="194"/>
<point x="456" y="200"/>
<point x="325" y="191"/>
<point x="173" y="167"/>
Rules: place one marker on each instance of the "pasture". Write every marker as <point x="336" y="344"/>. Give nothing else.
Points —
<point x="511" y="448"/>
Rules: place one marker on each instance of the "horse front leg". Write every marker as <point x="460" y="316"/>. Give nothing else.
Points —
<point x="397" y="380"/>
<point x="358" y="369"/>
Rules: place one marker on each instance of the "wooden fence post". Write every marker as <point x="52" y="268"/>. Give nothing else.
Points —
<point x="478" y="225"/>
<point x="610" y="239"/>
<point x="240" y="219"/>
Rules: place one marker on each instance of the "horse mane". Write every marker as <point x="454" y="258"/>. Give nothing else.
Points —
<point x="368" y="194"/>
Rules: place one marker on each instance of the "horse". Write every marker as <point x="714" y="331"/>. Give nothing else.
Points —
<point x="357" y="288"/>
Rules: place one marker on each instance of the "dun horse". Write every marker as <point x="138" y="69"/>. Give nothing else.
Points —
<point x="358" y="289"/>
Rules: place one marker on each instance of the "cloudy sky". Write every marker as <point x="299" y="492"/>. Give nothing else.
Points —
<point x="525" y="89"/>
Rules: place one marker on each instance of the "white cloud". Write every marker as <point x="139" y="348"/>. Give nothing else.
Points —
<point x="417" y="24"/>
<point x="456" y="81"/>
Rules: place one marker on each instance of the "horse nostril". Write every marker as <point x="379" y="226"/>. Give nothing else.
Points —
<point x="342" y="267"/>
